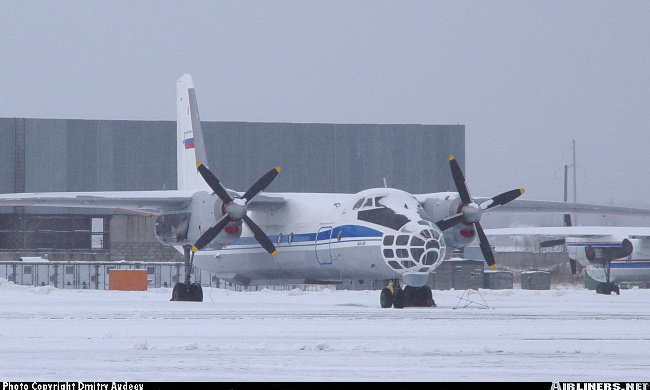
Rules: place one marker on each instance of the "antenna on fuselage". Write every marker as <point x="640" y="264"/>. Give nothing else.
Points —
<point x="385" y="185"/>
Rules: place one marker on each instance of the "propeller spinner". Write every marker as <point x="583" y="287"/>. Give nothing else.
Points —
<point x="470" y="212"/>
<point x="236" y="208"/>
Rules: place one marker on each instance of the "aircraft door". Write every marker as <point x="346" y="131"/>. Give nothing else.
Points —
<point x="322" y="245"/>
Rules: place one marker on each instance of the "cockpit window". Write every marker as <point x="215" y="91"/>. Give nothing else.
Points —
<point x="384" y="217"/>
<point x="368" y="203"/>
<point x="358" y="204"/>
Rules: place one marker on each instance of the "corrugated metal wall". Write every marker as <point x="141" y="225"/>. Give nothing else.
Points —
<point x="89" y="155"/>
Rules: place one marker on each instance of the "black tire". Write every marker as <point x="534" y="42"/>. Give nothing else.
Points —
<point x="427" y="294"/>
<point x="386" y="298"/>
<point x="398" y="299"/>
<point x="180" y="293"/>
<point x="412" y="296"/>
<point x="604" y="288"/>
<point x="616" y="289"/>
<point x="195" y="293"/>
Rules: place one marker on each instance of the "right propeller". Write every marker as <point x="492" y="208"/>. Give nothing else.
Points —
<point x="236" y="208"/>
<point x="470" y="212"/>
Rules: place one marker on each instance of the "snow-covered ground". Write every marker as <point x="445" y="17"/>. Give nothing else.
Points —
<point x="562" y="334"/>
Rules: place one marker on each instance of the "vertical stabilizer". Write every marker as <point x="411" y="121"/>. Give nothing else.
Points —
<point x="190" y="148"/>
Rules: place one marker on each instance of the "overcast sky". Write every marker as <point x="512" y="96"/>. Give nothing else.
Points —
<point x="525" y="77"/>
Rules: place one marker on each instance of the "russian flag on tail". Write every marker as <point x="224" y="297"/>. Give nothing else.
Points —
<point x="189" y="143"/>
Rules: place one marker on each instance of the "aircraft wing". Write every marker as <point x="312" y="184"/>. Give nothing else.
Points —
<point x="266" y="203"/>
<point x="150" y="202"/>
<point x="572" y="231"/>
<point x="546" y="206"/>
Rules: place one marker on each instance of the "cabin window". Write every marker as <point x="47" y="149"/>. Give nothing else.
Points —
<point x="417" y="253"/>
<point x="408" y="263"/>
<point x="402" y="253"/>
<point x="290" y="239"/>
<point x="394" y="264"/>
<point x="402" y="240"/>
<point x="279" y="240"/>
<point x="416" y="241"/>
<point x="430" y="258"/>
<point x="339" y="235"/>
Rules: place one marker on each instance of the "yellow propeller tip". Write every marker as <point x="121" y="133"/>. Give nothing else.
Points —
<point x="277" y="169"/>
<point x="451" y="157"/>
<point x="198" y="164"/>
<point x="275" y="253"/>
<point x="194" y="249"/>
<point x="492" y="267"/>
<point x="522" y="190"/>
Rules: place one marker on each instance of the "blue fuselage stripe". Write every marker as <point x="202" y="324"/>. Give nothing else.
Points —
<point x="630" y="264"/>
<point x="348" y="233"/>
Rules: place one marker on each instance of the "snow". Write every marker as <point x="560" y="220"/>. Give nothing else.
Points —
<point x="564" y="334"/>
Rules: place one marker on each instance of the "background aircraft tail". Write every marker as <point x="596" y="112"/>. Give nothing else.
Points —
<point x="190" y="147"/>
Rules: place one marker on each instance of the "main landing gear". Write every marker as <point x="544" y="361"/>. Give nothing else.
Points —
<point x="607" y="287"/>
<point x="187" y="291"/>
<point x="394" y="295"/>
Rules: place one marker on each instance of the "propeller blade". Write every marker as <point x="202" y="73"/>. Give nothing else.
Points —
<point x="214" y="183"/>
<point x="574" y="270"/>
<point x="459" y="180"/>
<point x="211" y="233"/>
<point x="550" y="243"/>
<point x="261" y="184"/>
<point x="448" y="222"/>
<point x="485" y="245"/>
<point x="502" y="199"/>
<point x="260" y="236"/>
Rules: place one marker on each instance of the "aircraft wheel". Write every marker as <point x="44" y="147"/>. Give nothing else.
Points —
<point x="195" y="293"/>
<point x="386" y="298"/>
<point x="428" y="297"/>
<point x="413" y="296"/>
<point x="399" y="299"/>
<point x="180" y="293"/>
<point x="607" y="288"/>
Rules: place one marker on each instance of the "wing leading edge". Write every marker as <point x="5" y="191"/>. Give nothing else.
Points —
<point x="545" y="206"/>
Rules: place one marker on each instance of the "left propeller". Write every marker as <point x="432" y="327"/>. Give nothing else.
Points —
<point x="470" y="212"/>
<point x="236" y="209"/>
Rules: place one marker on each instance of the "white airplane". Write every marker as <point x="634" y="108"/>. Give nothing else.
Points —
<point x="257" y="238"/>
<point x="609" y="254"/>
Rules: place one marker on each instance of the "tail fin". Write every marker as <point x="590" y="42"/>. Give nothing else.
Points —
<point x="190" y="148"/>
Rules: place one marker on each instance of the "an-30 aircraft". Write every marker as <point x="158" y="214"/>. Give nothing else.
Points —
<point x="610" y="254"/>
<point x="257" y="238"/>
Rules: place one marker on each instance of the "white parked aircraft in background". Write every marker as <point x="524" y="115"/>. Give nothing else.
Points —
<point x="610" y="254"/>
<point x="257" y="238"/>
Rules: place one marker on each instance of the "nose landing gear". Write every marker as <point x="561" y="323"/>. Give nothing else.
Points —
<point x="394" y="295"/>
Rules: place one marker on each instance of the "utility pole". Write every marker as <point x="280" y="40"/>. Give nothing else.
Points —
<point x="575" y="198"/>
<point x="574" y="172"/>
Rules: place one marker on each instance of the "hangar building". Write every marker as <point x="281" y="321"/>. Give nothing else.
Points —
<point x="51" y="155"/>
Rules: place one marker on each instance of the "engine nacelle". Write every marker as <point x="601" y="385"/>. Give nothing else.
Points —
<point x="444" y="206"/>
<point x="591" y="251"/>
<point x="184" y="227"/>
